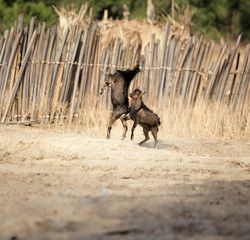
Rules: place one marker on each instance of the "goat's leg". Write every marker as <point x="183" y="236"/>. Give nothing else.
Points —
<point x="132" y="130"/>
<point x="154" y="133"/>
<point x="124" y="120"/>
<point x="111" y="121"/>
<point x="115" y="115"/>
<point x="146" y="136"/>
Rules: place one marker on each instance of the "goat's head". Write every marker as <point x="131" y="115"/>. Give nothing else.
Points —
<point x="135" y="67"/>
<point x="136" y="94"/>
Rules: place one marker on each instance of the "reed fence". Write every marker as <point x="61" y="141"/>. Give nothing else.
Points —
<point x="45" y="75"/>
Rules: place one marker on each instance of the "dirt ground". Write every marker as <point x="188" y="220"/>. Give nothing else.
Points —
<point x="66" y="183"/>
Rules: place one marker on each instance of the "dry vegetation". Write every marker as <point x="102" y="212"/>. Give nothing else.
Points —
<point x="204" y="119"/>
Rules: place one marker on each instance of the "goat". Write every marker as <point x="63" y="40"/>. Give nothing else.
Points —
<point x="143" y="116"/>
<point x="120" y="82"/>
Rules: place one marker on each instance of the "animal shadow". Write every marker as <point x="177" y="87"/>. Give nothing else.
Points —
<point x="160" y="145"/>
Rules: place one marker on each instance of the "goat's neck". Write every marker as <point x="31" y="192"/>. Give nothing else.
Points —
<point x="137" y="103"/>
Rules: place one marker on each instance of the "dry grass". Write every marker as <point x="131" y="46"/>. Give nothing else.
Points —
<point x="205" y="120"/>
<point x="181" y="24"/>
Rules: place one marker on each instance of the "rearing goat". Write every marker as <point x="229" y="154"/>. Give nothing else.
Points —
<point x="143" y="116"/>
<point x="119" y="84"/>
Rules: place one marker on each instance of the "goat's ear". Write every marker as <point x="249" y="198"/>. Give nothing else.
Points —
<point x="142" y="93"/>
<point x="111" y="75"/>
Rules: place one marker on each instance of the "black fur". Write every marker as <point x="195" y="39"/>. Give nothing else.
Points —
<point x="119" y="95"/>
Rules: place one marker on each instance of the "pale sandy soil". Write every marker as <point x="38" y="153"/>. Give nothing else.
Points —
<point x="59" y="183"/>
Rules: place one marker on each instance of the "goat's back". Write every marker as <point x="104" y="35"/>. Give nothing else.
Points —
<point x="119" y="90"/>
<point x="148" y="117"/>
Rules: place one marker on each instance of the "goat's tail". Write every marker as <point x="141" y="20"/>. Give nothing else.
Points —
<point x="159" y="121"/>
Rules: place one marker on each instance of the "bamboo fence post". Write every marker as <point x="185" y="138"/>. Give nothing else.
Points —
<point x="108" y="91"/>
<point x="13" y="77"/>
<point x="224" y="80"/>
<point x="21" y="90"/>
<point x="151" y="63"/>
<point x="43" y="41"/>
<point x="176" y="88"/>
<point x="59" y="84"/>
<point x="34" y="64"/>
<point x="100" y="62"/>
<point x="76" y="81"/>
<point x="57" y="63"/>
<point x="27" y="72"/>
<point x="163" y="74"/>
<point x="157" y="69"/>
<point x="186" y="80"/>
<point x="172" y="47"/>
<point x="20" y="22"/>
<point x="164" y="45"/>
<point x="115" y="58"/>
<point x="162" y="63"/>
<point x="53" y="65"/>
<point x="136" y="59"/>
<point x="217" y="82"/>
<point x="3" y="45"/>
<point x="216" y="69"/>
<point x="244" y="65"/>
<point x="39" y="87"/>
<point x="81" y="88"/>
<point x="154" y="64"/>
<point x="100" y="74"/>
<point x="89" y="53"/>
<point x="146" y="71"/>
<point x="234" y="79"/>
<point x="74" y="103"/>
<point x="141" y="80"/>
<point x="43" y="77"/>
<point x="91" y="63"/>
<point x="5" y="60"/>
<point x="16" y="85"/>
<point x="103" y="77"/>
<point x="85" y="72"/>
<point x="26" y="98"/>
<point x="95" y="87"/>
<point x="65" y="87"/>
<point x="173" y="78"/>
<point x="194" y="82"/>
<point x="11" y="60"/>
<point x="245" y="90"/>
<point x="205" y="76"/>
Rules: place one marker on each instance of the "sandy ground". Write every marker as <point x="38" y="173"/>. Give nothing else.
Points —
<point x="59" y="183"/>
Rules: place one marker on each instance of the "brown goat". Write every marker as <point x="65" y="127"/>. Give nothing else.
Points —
<point x="120" y="82"/>
<point x="143" y="116"/>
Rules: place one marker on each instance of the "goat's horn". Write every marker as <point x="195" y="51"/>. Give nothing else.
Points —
<point x="107" y="73"/>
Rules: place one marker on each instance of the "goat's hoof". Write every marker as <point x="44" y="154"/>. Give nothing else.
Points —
<point x="107" y="137"/>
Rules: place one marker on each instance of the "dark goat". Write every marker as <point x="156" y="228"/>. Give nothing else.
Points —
<point x="143" y="116"/>
<point x="120" y="82"/>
